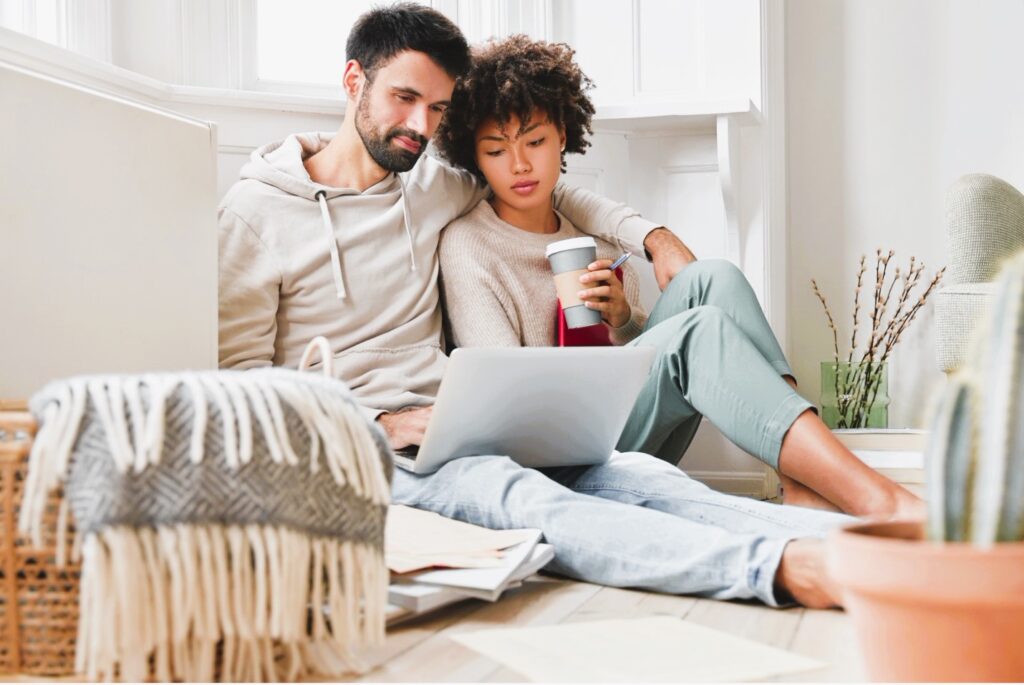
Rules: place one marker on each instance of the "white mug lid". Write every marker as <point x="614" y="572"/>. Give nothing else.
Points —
<point x="569" y="244"/>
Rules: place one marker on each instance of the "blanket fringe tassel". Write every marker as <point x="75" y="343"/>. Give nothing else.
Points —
<point x="195" y="602"/>
<point x="225" y="603"/>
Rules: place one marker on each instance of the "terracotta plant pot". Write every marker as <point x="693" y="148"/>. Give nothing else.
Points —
<point x="931" y="612"/>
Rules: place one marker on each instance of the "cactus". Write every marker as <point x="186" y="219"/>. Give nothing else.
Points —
<point x="975" y="456"/>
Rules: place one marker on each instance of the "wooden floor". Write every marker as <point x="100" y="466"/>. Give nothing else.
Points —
<point x="420" y="650"/>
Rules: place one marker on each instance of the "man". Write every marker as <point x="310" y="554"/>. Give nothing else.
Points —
<point x="337" y="236"/>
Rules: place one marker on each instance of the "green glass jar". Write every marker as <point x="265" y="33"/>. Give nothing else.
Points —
<point x="855" y="394"/>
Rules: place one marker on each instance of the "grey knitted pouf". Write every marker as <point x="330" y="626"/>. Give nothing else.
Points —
<point x="225" y="518"/>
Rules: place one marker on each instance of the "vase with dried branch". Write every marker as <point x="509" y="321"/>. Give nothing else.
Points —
<point x="859" y="380"/>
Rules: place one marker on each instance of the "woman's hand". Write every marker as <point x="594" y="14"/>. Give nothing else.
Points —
<point x="606" y="294"/>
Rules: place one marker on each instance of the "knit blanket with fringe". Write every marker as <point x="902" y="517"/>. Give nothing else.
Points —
<point x="230" y="524"/>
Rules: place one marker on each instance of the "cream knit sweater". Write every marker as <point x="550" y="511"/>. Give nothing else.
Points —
<point x="498" y="288"/>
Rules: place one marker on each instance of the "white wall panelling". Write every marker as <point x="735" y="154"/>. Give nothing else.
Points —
<point x="211" y="43"/>
<point x="18" y="15"/>
<point x="728" y="177"/>
<point x="80" y="25"/>
<point x="481" y="20"/>
<point x="88" y="27"/>
<point x="668" y="33"/>
<point x="590" y="178"/>
<point x="602" y="35"/>
<point x="691" y="195"/>
<point x="773" y="192"/>
<point x="247" y="44"/>
<point x="532" y="17"/>
<point x="146" y="38"/>
<point x="664" y="50"/>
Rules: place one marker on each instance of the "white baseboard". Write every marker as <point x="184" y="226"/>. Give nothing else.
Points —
<point x="746" y="484"/>
<point x="721" y="465"/>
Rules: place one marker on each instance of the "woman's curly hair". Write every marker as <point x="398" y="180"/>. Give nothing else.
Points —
<point x="516" y="76"/>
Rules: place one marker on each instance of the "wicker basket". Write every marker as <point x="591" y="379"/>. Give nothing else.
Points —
<point x="38" y="600"/>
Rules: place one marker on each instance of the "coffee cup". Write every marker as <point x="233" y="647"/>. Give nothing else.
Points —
<point x="569" y="260"/>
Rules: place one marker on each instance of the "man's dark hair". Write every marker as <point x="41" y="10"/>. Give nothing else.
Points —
<point x="517" y="75"/>
<point x="382" y="33"/>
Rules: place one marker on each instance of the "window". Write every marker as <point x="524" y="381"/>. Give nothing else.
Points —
<point x="298" y="46"/>
<point x="42" y="19"/>
<point x="303" y="41"/>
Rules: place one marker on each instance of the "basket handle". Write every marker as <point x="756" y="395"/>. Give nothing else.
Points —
<point x="318" y="344"/>
<point x="18" y="422"/>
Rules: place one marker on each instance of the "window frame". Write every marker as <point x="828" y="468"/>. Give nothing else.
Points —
<point x="475" y="17"/>
<point x="83" y="26"/>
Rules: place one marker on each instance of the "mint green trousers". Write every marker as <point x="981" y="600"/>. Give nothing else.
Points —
<point x="717" y="357"/>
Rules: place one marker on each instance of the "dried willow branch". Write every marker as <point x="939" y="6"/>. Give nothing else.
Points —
<point x="856" y="305"/>
<point x="828" y="315"/>
<point x="857" y="388"/>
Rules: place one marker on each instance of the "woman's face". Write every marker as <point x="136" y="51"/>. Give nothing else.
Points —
<point x="522" y="169"/>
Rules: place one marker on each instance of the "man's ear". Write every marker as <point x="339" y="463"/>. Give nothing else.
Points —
<point x="353" y="79"/>
<point x="561" y="139"/>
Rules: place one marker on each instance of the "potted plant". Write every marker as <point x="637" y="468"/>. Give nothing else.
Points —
<point x="854" y="391"/>
<point x="944" y="599"/>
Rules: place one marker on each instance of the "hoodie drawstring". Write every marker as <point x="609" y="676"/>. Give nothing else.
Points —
<point x="339" y="282"/>
<point x="408" y="224"/>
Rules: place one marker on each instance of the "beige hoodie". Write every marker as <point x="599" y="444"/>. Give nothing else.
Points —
<point x="298" y="259"/>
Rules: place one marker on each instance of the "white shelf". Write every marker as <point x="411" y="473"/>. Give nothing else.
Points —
<point x="649" y="117"/>
<point x="646" y="117"/>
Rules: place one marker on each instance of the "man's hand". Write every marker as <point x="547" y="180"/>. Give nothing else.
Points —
<point x="669" y="254"/>
<point x="605" y="294"/>
<point x="406" y="426"/>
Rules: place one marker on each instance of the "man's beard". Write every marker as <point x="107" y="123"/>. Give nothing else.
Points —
<point x="380" y="146"/>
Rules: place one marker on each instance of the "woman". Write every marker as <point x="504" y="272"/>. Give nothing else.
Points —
<point x="513" y="118"/>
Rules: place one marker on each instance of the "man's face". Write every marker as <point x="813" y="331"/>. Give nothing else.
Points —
<point x="400" y="108"/>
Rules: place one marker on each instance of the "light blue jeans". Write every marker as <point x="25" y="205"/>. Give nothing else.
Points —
<point x="638" y="521"/>
<point x="635" y="521"/>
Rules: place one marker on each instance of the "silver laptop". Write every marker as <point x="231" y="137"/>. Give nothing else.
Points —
<point x="541" y="406"/>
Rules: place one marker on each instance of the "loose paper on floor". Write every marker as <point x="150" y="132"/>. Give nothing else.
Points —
<point x="483" y="583"/>
<point x="655" y="649"/>
<point x="416" y="539"/>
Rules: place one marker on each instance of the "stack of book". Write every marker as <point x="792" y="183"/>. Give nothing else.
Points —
<point x="897" y="453"/>
<point x="436" y="561"/>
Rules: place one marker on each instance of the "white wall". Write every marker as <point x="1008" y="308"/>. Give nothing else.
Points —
<point x="110" y="250"/>
<point x="887" y="103"/>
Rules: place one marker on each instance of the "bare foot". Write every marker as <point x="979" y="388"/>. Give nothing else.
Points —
<point x="802" y="574"/>
<point x="799" y="495"/>
<point x="906" y="505"/>
<point x="813" y="456"/>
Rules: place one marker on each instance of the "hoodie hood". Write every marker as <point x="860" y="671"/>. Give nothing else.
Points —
<point x="282" y="165"/>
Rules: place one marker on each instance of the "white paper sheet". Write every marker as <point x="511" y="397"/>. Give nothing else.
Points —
<point x="421" y="598"/>
<point x="483" y="583"/>
<point x="415" y="539"/>
<point x="655" y="649"/>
